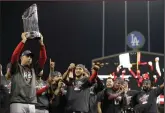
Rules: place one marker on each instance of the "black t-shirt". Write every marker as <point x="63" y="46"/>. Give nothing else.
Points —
<point x="128" y="99"/>
<point x="93" y="104"/>
<point x="146" y="101"/>
<point x="93" y="98"/>
<point x="109" y="106"/>
<point x="58" y="104"/>
<point x="59" y="101"/>
<point x="78" y="95"/>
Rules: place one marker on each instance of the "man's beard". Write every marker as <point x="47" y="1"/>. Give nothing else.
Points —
<point x="79" y="75"/>
<point x="56" y="82"/>
<point x="146" y="89"/>
<point x="109" y="86"/>
<point x="115" y="88"/>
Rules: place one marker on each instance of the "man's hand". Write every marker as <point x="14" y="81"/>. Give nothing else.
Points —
<point x="72" y="66"/>
<point x="41" y="39"/>
<point x="129" y="68"/>
<point x="60" y="83"/>
<point x="150" y="63"/>
<point x="96" y="67"/>
<point x="70" y="70"/>
<point x="52" y="64"/>
<point x="157" y="59"/>
<point x="24" y="37"/>
<point x="121" y="89"/>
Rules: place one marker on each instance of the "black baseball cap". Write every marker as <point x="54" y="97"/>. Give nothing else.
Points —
<point x="27" y="53"/>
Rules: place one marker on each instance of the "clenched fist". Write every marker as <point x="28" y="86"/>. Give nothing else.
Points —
<point x="96" y="67"/>
<point x="72" y="66"/>
<point x="23" y="36"/>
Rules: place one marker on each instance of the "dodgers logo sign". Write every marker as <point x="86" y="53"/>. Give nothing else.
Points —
<point x="135" y="40"/>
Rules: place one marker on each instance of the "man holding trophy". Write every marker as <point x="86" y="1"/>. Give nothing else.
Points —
<point x="23" y="88"/>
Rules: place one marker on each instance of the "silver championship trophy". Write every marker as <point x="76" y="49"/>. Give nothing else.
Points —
<point x="30" y="22"/>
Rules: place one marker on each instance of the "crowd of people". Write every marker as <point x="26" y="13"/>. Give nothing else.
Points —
<point x="78" y="90"/>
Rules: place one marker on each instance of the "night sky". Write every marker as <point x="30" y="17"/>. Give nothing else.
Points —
<point x="73" y="30"/>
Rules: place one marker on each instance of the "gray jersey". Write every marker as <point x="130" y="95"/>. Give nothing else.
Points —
<point x="23" y="85"/>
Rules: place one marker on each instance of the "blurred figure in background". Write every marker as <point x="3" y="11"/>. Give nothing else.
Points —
<point x="4" y="93"/>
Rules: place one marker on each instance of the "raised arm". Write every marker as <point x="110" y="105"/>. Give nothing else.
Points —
<point x="52" y="66"/>
<point x="40" y="91"/>
<point x="58" y="90"/>
<point x="17" y="52"/>
<point x="18" y="49"/>
<point x="112" y="96"/>
<point x="159" y="90"/>
<point x="99" y="110"/>
<point x="8" y="71"/>
<point x="94" y="73"/>
<point x="100" y="85"/>
<point x="68" y="72"/>
<point x="132" y="73"/>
